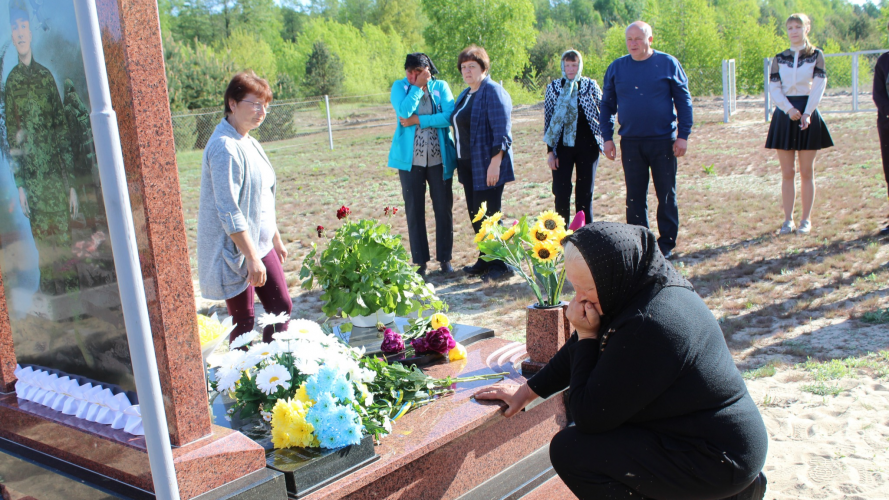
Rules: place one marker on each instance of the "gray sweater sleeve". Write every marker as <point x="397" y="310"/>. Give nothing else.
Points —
<point x="227" y="174"/>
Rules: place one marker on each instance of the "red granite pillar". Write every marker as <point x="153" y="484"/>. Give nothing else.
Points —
<point x="7" y="353"/>
<point x="134" y="60"/>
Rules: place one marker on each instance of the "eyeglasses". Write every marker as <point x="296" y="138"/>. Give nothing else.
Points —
<point x="257" y="106"/>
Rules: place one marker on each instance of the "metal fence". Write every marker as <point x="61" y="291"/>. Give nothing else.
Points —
<point x="850" y="79"/>
<point x="290" y="119"/>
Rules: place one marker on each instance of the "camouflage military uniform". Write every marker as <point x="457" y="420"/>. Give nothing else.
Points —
<point x="41" y="156"/>
<point x="84" y="168"/>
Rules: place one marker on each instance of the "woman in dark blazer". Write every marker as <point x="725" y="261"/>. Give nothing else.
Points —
<point x="571" y="133"/>
<point x="483" y="136"/>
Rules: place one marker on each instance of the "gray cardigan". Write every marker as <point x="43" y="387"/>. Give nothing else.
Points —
<point x="231" y="191"/>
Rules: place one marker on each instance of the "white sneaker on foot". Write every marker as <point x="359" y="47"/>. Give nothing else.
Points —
<point x="804" y="227"/>
<point x="788" y="227"/>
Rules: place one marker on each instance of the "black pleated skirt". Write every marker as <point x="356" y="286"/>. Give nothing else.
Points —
<point x="785" y="133"/>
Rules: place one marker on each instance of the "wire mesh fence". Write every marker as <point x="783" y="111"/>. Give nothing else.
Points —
<point x="289" y="119"/>
<point x="849" y="86"/>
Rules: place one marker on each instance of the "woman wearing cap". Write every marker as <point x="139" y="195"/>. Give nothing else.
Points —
<point x="240" y="251"/>
<point x="571" y="133"/>
<point x="423" y="152"/>
<point x="660" y="410"/>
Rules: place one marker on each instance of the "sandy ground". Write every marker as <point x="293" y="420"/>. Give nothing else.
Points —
<point x="825" y="446"/>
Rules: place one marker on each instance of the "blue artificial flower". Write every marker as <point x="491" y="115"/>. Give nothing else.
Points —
<point x="343" y="389"/>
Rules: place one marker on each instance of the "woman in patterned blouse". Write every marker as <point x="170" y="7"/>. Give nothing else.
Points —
<point x="796" y="84"/>
<point x="571" y="133"/>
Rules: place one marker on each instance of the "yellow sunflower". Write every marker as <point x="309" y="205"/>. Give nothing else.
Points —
<point x="560" y="234"/>
<point x="551" y="221"/>
<point x="509" y="233"/>
<point x="545" y="251"/>
<point x="481" y="212"/>
<point x="539" y="233"/>
<point x="481" y="235"/>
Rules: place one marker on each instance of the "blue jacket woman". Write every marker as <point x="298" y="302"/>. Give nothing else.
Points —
<point x="423" y="152"/>
<point x="483" y="133"/>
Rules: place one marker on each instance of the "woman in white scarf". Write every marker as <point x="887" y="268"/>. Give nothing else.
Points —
<point x="571" y="133"/>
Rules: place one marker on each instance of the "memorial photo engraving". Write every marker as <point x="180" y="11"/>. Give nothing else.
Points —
<point x="55" y="255"/>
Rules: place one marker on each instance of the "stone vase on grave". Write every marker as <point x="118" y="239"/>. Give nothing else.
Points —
<point x="546" y="331"/>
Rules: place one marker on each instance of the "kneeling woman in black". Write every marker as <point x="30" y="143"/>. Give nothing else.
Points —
<point x="659" y="408"/>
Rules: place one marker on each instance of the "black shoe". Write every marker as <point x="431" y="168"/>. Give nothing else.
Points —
<point x="498" y="273"/>
<point x="479" y="267"/>
<point x="668" y="255"/>
<point x="446" y="267"/>
<point x="756" y="490"/>
<point x="884" y="231"/>
<point x="422" y="270"/>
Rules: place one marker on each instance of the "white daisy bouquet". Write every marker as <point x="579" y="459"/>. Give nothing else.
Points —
<point x="308" y="384"/>
<point x="317" y="391"/>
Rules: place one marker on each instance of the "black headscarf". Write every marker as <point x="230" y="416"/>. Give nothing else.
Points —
<point x="420" y="60"/>
<point x="625" y="260"/>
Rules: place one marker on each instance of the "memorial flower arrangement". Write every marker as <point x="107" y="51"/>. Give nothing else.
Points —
<point x="316" y="391"/>
<point x="365" y="269"/>
<point x="532" y="246"/>
<point x="425" y="335"/>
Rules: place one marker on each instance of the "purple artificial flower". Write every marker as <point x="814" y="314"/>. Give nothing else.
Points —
<point x="420" y="346"/>
<point x="440" y="340"/>
<point x="392" y="341"/>
<point x="578" y="222"/>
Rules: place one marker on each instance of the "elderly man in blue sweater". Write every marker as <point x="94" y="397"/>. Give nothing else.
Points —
<point x="642" y="89"/>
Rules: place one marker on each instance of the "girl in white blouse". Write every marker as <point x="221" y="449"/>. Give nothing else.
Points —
<point x="796" y="85"/>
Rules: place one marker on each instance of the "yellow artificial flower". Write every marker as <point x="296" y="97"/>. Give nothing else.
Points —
<point x="457" y="353"/>
<point x="539" y="234"/>
<point x="289" y="425"/>
<point x="302" y="396"/>
<point x="481" y="212"/>
<point x="509" y="233"/>
<point x="439" y="320"/>
<point x="481" y="235"/>
<point x="545" y="251"/>
<point x="551" y="221"/>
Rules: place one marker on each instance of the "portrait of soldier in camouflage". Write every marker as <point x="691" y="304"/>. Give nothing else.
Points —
<point x="41" y="156"/>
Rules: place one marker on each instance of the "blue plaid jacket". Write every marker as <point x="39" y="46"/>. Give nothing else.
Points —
<point x="491" y="132"/>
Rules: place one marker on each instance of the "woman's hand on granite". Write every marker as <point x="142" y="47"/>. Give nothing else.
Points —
<point x="516" y="397"/>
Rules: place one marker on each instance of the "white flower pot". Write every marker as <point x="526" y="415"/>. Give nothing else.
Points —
<point x="371" y="320"/>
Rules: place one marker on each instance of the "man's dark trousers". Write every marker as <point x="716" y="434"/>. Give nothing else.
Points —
<point x="638" y="156"/>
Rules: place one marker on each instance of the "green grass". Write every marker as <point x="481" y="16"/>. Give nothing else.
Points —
<point x="767" y="370"/>
<point x="822" y="389"/>
<point x="878" y="317"/>
<point x="875" y="363"/>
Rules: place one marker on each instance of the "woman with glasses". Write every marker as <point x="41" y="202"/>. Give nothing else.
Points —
<point x="240" y="251"/>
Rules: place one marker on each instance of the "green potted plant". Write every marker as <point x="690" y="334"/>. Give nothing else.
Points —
<point x="366" y="274"/>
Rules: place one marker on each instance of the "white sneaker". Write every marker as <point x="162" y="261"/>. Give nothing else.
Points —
<point x="788" y="227"/>
<point x="804" y="227"/>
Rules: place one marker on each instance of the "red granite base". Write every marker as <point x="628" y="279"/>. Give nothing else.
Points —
<point x="529" y="368"/>
<point x="546" y="331"/>
<point x="201" y="466"/>
<point x="445" y="449"/>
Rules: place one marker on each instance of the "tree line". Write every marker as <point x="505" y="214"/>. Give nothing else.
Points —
<point x="354" y="47"/>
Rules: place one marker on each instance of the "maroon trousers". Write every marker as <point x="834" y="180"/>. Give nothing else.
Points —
<point x="273" y="295"/>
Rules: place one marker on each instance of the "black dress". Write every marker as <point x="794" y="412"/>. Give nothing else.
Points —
<point x="660" y="409"/>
